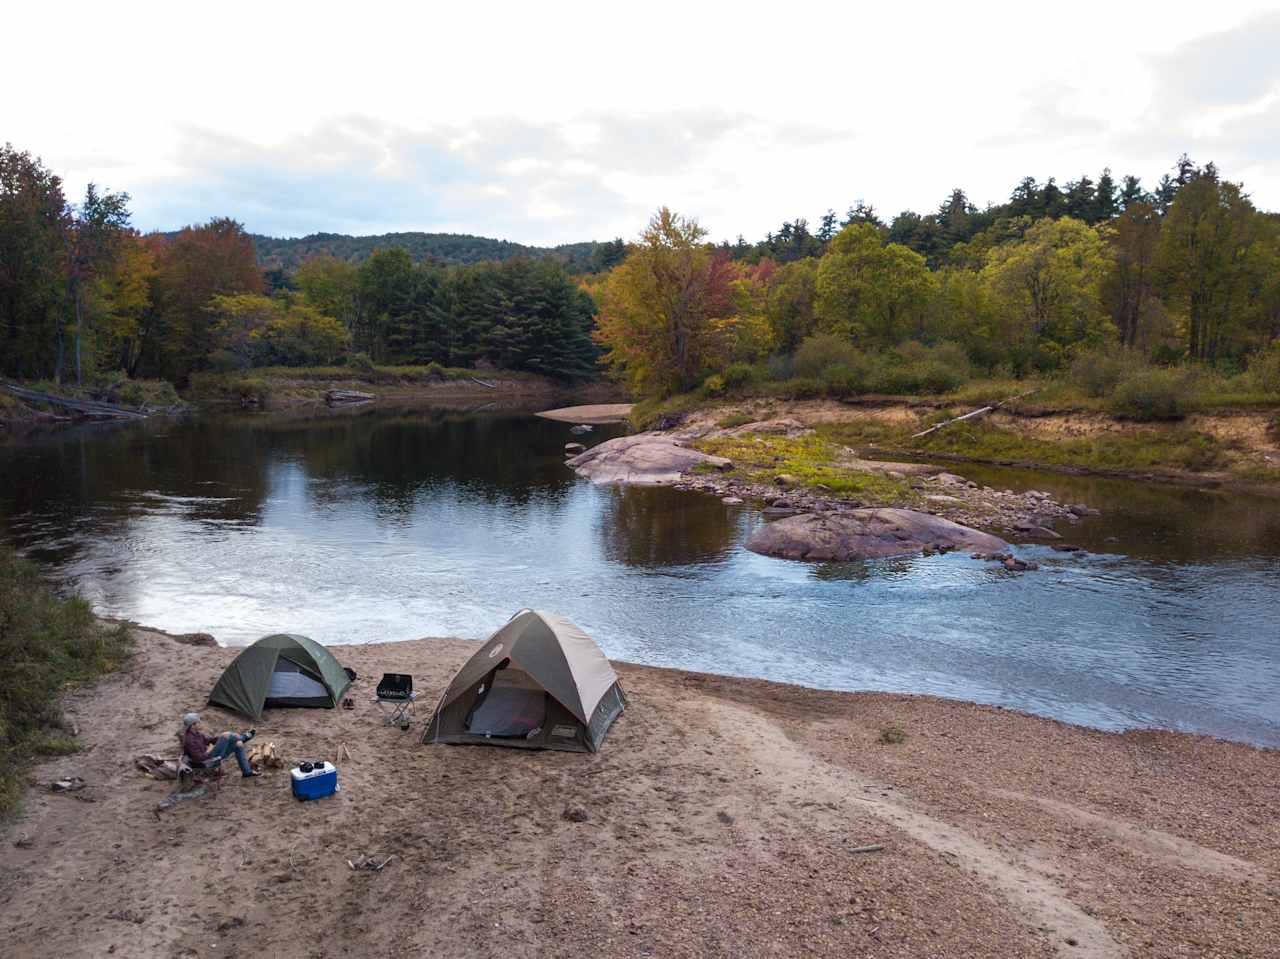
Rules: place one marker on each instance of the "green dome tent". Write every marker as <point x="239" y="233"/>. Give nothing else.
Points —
<point x="280" y="670"/>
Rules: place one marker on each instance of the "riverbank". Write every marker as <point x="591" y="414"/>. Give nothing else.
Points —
<point x="277" y="388"/>
<point x="1235" y="449"/>
<point x="287" y="389"/>
<point x="723" y="817"/>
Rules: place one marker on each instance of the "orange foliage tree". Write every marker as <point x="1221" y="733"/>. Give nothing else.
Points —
<point x="667" y="312"/>
<point x="193" y="267"/>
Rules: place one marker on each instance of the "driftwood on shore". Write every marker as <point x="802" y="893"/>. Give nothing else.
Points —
<point x="492" y="386"/>
<point x="982" y="411"/>
<point x="87" y="409"/>
<point x="348" y="396"/>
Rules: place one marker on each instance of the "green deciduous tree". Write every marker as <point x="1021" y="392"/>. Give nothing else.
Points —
<point x="94" y="237"/>
<point x="331" y="286"/>
<point x="1129" y="290"/>
<point x="871" y="294"/>
<point x="792" y="298"/>
<point x="33" y="238"/>
<point x="1208" y="264"/>
<point x="1046" y="289"/>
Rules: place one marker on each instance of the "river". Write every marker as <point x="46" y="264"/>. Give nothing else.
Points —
<point x="375" y="525"/>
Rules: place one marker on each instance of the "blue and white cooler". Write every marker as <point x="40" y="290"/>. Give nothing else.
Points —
<point x="315" y="783"/>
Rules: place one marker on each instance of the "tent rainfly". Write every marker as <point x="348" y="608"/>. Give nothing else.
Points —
<point x="281" y="670"/>
<point x="539" y="682"/>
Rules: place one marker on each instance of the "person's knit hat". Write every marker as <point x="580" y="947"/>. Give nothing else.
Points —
<point x="190" y="719"/>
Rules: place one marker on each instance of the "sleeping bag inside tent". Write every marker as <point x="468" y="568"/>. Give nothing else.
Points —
<point x="539" y="682"/>
<point x="281" y="670"/>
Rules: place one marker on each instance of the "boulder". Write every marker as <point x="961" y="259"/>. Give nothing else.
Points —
<point x="785" y="480"/>
<point x="731" y="500"/>
<point x="573" y="447"/>
<point x="866" y="534"/>
<point x="645" y="459"/>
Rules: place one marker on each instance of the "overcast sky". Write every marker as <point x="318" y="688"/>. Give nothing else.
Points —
<point x="554" y="122"/>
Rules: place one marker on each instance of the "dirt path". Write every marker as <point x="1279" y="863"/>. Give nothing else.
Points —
<point x="721" y="819"/>
<point x="1022" y="880"/>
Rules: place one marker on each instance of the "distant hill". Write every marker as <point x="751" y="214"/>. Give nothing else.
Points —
<point x="447" y="248"/>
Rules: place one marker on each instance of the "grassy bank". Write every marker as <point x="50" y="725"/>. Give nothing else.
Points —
<point x="1168" y="448"/>
<point x="287" y="385"/>
<point x="47" y="644"/>
<point x="809" y="462"/>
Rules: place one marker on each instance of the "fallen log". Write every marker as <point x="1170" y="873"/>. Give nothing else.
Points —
<point x="348" y="396"/>
<point x="492" y="386"/>
<point x="982" y="411"/>
<point x="89" y="409"/>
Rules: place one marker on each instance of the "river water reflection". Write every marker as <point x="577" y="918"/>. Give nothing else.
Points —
<point x="389" y="525"/>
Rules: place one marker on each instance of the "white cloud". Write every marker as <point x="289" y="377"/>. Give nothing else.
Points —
<point x="550" y="123"/>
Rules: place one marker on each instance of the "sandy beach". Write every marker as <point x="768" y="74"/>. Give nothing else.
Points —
<point x="724" y="817"/>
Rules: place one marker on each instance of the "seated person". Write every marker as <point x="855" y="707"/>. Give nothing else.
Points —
<point x="200" y="748"/>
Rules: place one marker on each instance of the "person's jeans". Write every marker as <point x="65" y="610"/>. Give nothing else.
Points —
<point x="230" y="742"/>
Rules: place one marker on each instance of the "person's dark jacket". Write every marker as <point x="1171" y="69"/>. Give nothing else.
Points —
<point x="196" y="745"/>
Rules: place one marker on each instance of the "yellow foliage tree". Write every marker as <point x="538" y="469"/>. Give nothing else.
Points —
<point x="667" y="312"/>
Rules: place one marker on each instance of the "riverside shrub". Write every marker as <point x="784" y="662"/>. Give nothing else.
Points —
<point x="1098" y="372"/>
<point x="798" y="388"/>
<point x="739" y="375"/>
<point x="1149" y="395"/>
<point x="1264" y="371"/>
<point x="46" y="643"/>
<point x="821" y="351"/>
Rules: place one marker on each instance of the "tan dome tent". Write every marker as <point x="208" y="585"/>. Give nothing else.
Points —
<point x="540" y="682"/>
<point x="281" y="670"/>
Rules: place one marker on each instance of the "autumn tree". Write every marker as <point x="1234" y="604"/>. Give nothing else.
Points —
<point x="250" y="329"/>
<point x="199" y="263"/>
<point x="125" y="292"/>
<point x="665" y="312"/>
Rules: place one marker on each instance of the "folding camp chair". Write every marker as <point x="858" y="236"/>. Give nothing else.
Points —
<point x="395" y="697"/>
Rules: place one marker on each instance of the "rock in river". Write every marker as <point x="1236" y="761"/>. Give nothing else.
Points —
<point x="866" y="534"/>
<point x="651" y="459"/>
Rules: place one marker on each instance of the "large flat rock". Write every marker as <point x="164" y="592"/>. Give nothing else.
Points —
<point x="865" y="534"/>
<point x="595" y="415"/>
<point x="645" y="459"/>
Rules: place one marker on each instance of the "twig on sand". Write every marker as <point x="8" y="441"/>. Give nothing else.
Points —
<point x="368" y="862"/>
<point x="874" y="847"/>
<point x="978" y="412"/>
